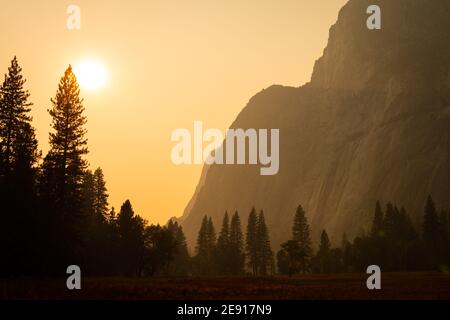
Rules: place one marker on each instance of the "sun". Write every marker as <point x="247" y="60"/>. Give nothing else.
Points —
<point x="91" y="74"/>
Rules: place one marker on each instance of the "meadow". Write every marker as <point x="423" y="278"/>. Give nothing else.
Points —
<point x="397" y="286"/>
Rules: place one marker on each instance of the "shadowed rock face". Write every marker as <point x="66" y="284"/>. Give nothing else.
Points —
<point x="373" y="124"/>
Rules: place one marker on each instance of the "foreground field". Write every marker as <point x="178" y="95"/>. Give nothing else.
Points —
<point x="336" y="286"/>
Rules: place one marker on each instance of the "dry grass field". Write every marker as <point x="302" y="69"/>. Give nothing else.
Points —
<point x="403" y="286"/>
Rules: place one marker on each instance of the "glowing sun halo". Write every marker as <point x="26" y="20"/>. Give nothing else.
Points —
<point x="91" y="74"/>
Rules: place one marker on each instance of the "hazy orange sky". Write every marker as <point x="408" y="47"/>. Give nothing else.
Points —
<point x="169" y="63"/>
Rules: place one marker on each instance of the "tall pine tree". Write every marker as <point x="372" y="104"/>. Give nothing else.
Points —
<point x="131" y="240"/>
<point x="181" y="260"/>
<point x="63" y="170"/>
<point x="206" y="243"/>
<point x="265" y="254"/>
<point x="301" y="234"/>
<point x="237" y="256"/>
<point x="17" y="136"/>
<point x="18" y="157"/>
<point x="251" y="246"/>
<point x="223" y="250"/>
<point x="323" y="257"/>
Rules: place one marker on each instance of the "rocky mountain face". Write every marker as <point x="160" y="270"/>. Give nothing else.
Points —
<point x="372" y="124"/>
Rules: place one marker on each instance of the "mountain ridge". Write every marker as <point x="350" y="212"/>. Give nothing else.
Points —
<point x="372" y="124"/>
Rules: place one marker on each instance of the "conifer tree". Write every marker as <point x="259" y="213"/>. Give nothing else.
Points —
<point x="206" y="242"/>
<point x="88" y="194"/>
<point x="211" y="236"/>
<point x="64" y="166"/>
<point x="17" y="137"/>
<point x="301" y="234"/>
<point x="202" y="239"/>
<point x="251" y="247"/>
<point x="223" y="250"/>
<point x="323" y="257"/>
<point x="430" y="223"/>
<point x="63" y="170"/>
<point x="100" y="204"/>
<point x="224" y="236"/>
<point x="289" y="257"/>
<point x="18" y="157"/>
<point x="237" y="257"/>
<point x="265" y="253"/>
<point x="131" y="240"/>
<point x="181" y="260"/>
<point x="325" y="244"/>
<point x="96" y="231"/>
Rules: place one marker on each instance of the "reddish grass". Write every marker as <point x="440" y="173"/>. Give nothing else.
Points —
<point x="334" y="286"/>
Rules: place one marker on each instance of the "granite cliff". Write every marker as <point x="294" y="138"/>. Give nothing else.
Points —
<point x="372" y="124"/>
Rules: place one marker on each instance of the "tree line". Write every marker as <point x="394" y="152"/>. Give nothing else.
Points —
<point x="228" y="253"/>
<point x="392" y="243"/>
<point x="55" y="212"/>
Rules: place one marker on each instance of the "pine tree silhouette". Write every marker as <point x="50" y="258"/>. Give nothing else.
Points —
<point x="223" y="250"/>
<point x="18" y="158"/>
<point x="17" y="136"/>
<point x="63" y="170"/>
<point x="251" y="247"/>
<point x="265" y="254"/>
<point x="323" y="257"/>
<point x="237" y="256"/>
<point x="301" y="234"/>
<point x="100" y="204"/>
<point x="206" y="244"/>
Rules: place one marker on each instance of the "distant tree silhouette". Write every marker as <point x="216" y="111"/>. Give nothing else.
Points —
<point x="98" y="232"/>
<point x="131" y="241"/>
<point x="223" y="249"/>
<point x="252" y="245"/>
<point x="265" y="254"/>
<point x="202" y="244"/>
<point x="301" y="234"/>
<point x="211" y="235"/>
<point x="161" y="247"/>
<point x="88" y="193"/>
<point x="181" y="264"/>
<point x="323" y="260"/>
<point x="397" y="246"/>
<point x="206" y="244"/>
<point x="237" y="256"/>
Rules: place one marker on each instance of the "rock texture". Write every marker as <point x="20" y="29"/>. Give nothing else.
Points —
<point x="373" y="124"/>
